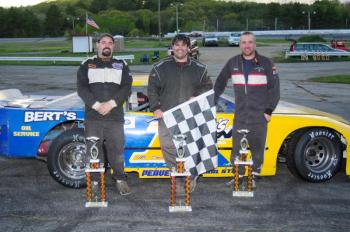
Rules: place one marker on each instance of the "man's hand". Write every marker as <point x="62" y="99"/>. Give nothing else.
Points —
<point x="104" y="108"/>
<point x="158" y="114"/>
<point x="267" y="117"/>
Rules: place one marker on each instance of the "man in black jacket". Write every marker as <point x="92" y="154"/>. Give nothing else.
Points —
<point x="173" y="81"/>
<point x="256" y="88"/>
<point x="104" y="84"/>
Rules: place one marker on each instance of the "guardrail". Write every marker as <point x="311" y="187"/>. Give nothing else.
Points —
<point x="55" y="59"/>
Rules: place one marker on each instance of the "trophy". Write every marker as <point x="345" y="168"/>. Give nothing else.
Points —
<point x="180" y="172"/>
<point x="241" y="160"/>
<point x="95" y="189"/>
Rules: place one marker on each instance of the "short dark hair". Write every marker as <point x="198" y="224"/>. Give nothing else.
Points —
<point x="248" y="33"/>
<point x="105" y="35"/>
<point x="181" y="37"/>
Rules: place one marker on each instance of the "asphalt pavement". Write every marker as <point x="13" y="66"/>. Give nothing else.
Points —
<point x="32" y="201"/>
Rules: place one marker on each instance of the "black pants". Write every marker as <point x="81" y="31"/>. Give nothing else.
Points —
<point x="111" y="135"/>
<point x="256" y="139"/>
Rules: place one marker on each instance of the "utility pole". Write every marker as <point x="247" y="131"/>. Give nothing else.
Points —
<point x="276" y="19"/>
<point x="159" y="27"/>
<point x="247" y="24"/>
<point x="309" y="18"/>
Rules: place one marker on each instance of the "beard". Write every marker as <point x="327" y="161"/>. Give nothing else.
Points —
<point x="248" y="53"/>
<point x="180" y="55"/>
<point x="106" y="52"/>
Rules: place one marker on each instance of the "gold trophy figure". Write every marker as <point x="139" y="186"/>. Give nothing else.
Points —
<point x="241" y="160"/>
<point x="180" y="172"/>
<point x="95" y="191"/>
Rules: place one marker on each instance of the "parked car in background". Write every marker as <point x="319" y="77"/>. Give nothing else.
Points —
<point x="233" y="39"/>
<point x="210" y="40"/>
<point x="316" y="49"/>
<point x="339" y="44"/>
<point x="195" y="34"/>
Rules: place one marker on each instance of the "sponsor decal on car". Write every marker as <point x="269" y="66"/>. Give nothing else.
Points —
<point x="26" y="131"/>
<point x="41" y="116"/>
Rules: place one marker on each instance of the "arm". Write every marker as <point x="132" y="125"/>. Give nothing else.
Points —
<point x="221" y="81"/>
<point x="204" y="85"/>
<point x="153" y="90"/>
<point x="125" y="88"/>
<point x="273" y="88"/>
<point x="83" y="88"/>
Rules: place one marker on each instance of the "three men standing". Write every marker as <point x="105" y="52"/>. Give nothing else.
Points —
<point x="104" y="84"/>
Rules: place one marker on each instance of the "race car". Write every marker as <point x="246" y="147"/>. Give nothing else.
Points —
<point x="313" y="143"/>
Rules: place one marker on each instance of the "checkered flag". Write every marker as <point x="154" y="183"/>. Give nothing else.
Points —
<point x="196" y="120"/>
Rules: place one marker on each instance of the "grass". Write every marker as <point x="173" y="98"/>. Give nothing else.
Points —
<point x="42" y="48"/>
<point x="37" y="46"/>
<point x="137" y="54"/>
<point x="339" y="79"/>
<point x="142" y="43"/>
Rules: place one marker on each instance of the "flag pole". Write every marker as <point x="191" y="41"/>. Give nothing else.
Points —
<point x="86" y="33"/>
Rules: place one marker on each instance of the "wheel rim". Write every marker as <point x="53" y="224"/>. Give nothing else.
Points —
<point x="72" y="160"/>
<point x="319" y="155"/>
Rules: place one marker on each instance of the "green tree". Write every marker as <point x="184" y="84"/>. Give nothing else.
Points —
<point x="54" y="21"/>
<point x="31" y="24"/>
<point x="123" y="5"/>
<point x="98" y="5"/>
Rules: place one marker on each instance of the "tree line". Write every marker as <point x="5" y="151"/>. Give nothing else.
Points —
<point x="140" y="17"/>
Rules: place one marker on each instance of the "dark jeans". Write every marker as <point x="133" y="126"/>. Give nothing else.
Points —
<point x="111" y="135"/>
<point x="167" y="145"/>
<point x="256" y="139"/>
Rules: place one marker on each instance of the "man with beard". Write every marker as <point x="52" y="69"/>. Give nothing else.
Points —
<point x="171" y="82"/>
<point x="104" y="84"/>
<point x="256" y="88"/>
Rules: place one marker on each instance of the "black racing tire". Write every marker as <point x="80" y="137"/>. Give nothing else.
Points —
<point x="66" y="160"/>
<point x="315" y="155"/>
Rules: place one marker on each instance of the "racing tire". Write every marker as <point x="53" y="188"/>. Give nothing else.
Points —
<point x="67" y="158"/>
<point x="315" y="155"/>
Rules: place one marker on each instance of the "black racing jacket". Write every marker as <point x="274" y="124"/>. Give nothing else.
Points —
<point x="171" y="84"/>
<point x="101" y="80"/>
<point x="259" y="95"/>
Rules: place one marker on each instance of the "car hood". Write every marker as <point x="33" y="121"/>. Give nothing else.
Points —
<point x="290" y="108"/>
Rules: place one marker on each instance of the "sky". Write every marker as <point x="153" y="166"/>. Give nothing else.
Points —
<point x="9" y="3"/>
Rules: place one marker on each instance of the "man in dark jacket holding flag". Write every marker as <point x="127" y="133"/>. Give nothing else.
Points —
<point x="256" y="89"/>
<point x="173" y="81"/>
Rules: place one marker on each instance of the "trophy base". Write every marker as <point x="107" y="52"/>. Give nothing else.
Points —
<point x="180" y="208"/>
<point x="242" y="194"/>
<point x="240" y="162"/>
<point x="178" y="174"/>
<point x="94" y="170"/>
<point x="100" y="204"/>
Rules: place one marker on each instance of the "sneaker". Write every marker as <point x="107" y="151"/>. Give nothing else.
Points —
<point x="193" y="183"/>
<point x="241" y="182"/>
<point x="123" y="187"/>
<point x="231" y="183"/>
